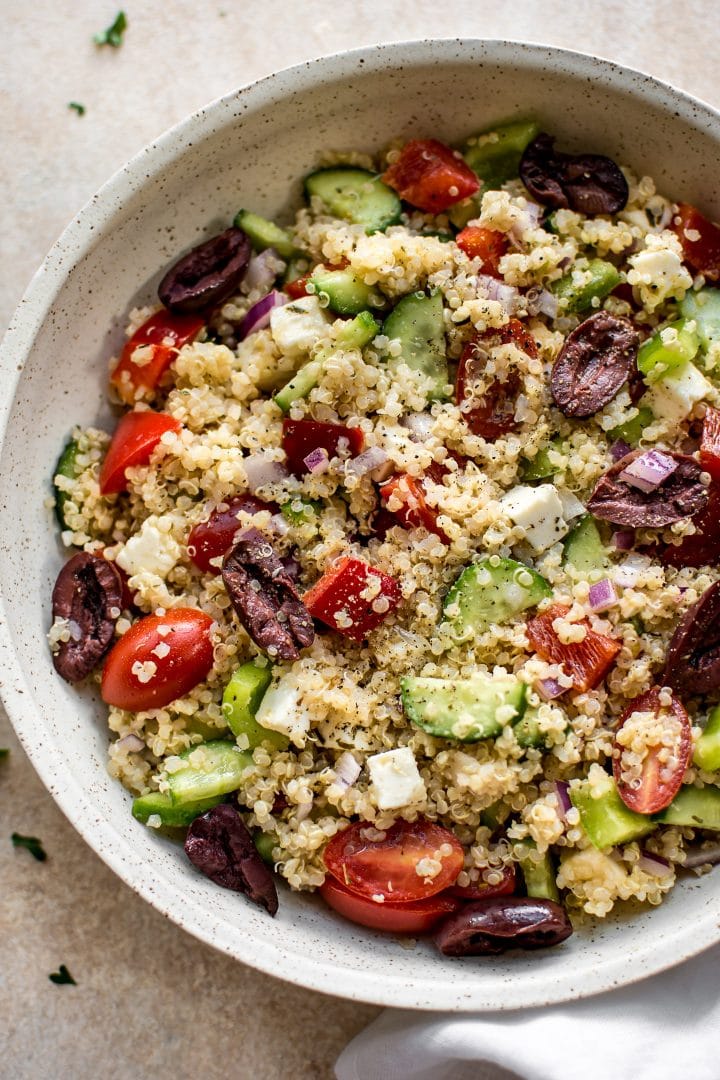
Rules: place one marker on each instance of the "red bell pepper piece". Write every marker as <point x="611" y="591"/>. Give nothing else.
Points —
<point x="353" y="598"/>
<point x="300" y="437"/>
<point x="587" y="661"/>
<point x="431" y="176"/>
<point x="486" y="244"/>
<point x="700" y="240"/>
<point x="164" y="334"/>
<point x="414" y="512"/>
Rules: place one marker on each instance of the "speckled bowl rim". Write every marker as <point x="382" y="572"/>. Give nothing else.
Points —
<point x="17" y="693"/>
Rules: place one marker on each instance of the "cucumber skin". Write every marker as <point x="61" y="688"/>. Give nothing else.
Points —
<point x="388" y="207"/>
<point x="66" y="466"/>
<point x="263" y="234"/>
<point x="465" y="589"/>
<point x="171" y="815"/>
<point x="222" y="776"/>
<point x="539" y="876"/>
<point x="514" y="693"/>
<point x="417" y="322"/>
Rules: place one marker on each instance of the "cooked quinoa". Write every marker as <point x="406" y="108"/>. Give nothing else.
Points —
<point x="495" y="794"/>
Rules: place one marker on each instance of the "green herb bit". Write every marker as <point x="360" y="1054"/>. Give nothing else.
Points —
<point x="33" y="845"/>
<point x="4" y="752"/>
<point x="79" y="109"/>
<point x="113" y="36"/>
<point x="62" y="977"/>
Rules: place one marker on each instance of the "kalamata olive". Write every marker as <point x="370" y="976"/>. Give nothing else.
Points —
<point x="587" y="183"/>
<point x="682" y="495"/>
<point x="489" y="927"/>
<point x="596" y="359"/>
<point x="692" y="664"/>
<point x="218" y="843"/>
<point x="88" y="593"/>
<point x="208" y="274"/>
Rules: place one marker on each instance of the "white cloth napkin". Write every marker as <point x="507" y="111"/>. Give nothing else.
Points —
<point x="663" y="1028"/>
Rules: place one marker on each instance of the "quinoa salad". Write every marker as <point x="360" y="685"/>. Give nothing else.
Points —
<point x="399" y="572"/>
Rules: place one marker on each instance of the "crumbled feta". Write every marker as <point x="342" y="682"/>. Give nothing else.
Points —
<point x="395" y="778"/>
<point x="657" y="270"/>
<point x="674" y="397"/>
<point x="152" y="550"/>
<point x="539" y="512"/>
<point x="281" y="710"/>
<point x="297" y="327"/>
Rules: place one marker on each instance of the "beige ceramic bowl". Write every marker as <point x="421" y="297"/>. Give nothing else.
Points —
<point x="251" y="149"/>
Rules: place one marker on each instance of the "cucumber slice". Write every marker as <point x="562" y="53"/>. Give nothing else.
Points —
<point x="355" y="195"/>
<point x="155" y="802"/>
<point x="300" y="511"/>
<point x="220" y="773"/>
<point x="297" y="267"/>
<point x="601" y="279"/>
<point x="493" y="591"/>
<point x="539" y="873"/>
<point x="345" y="292"/>
<point x="667" y="350"/>
<point x="417" y="323"/>
<point x="495" y="155"/>
<point x="695" y="808"/>
<point x="704" y="308"/>
<point x="633" y="430"/>
<point x="265" y="234"/>
<point x="527" y="732"/>
<point x="606" y="819"/>
<point x="467" y="710"/>
<point x="706" y="754"/>
<point x="540" y="467"/>
<point x="241" y="699"/>
<point x="67" y="465"/>
<point x="583" y="549"/>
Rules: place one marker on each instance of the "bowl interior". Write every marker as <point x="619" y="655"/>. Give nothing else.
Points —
<point x="251" y="149"/>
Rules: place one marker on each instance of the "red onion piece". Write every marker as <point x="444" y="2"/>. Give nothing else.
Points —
<point x="262" y="271"/>
<point x="624" y="539"/>
<point x="317" y="461"/>
<point x="258" y="317"/>
<point x="507" y="295"/>
<point x="627" y="573"/>
<point x="547" y="304"/>
<point x="347" y="770"/>
<point x="549" y="689"/>
<point x="562" y="793"/>
<point x="303" y="810"/>
<point x="372" y="458"/>
<point x="699" y="856"/>
<point x="654" y="864"/>
<point x="649" y="471"/>
<point x="262" y="471"/>
<point x="419" y="425"/>
<point x="602" y="595"/>
<point x="132" y="743"/>
<point x="619" y="449"/>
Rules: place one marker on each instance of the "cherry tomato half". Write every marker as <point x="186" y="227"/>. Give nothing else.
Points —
<point x="494" y="415"/>
<point x="374" y="863"/>
<point x="430" y="175"/>
<point x="480" y="890"/>
<point x="587" y="661"/>
<point x="189" y="656"/>
<point x="699" y="239"/>
<point x="161" y="337"/>
<point x="659" y="783"/>
<point x="412" y="917"/>
<point x="297" y="288"/>
<point x="212" y="538"/>
<point x="133" y="442"/>
<point x="486" y="244"/>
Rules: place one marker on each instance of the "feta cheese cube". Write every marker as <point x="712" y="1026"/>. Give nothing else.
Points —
<point x="150" y="551"/>
<point x="657" y="270"/>
<point x="281" y="710"/>
<point x="539" y="511"/>
<point x="396" y="778"/>
<point x="674" y="397"/>
<point x="297" y="327"/>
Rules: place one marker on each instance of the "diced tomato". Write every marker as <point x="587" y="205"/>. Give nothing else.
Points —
<point x="482" y="891"/>
<point x="140" y="674"/>
<point x="710" y="442"/>
<point x="353" y="598"/>
<point x="494" y="415"/>
<point x="384" y="863"/>
<point x="588" y="661"/>
<point x="297" y="288"/>
<point x="700" y="241"/>
<point x="414" y="513"/>
<point x="300" y="437"/>
<point x="659" y="781"/>
<point x="133" y="442"/>
<point x="161" y="338"/>
<point x="430" y="175"/>
<point x="412" y="917"/>
<point x="486" y="244"/>
<point x="212" y="538"/>
<point x="703" y="547"/>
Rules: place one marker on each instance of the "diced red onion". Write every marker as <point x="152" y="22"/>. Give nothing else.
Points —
<point x="562" y="793"/>
<point x="649" y="470"/>
<point x="522" y="408"/>
<point x="571" y="505"/>
<point x="507" y="295"/>
<point x="258" y="317"/>
<point x="619" y="449"/>
<point x="547" y="303"/>
<point x="699" y="856"/>
<point x="624" y="539"/>
<point x="317" y="461"/>
<point x="627" y="573"/>
<point x="372" y="458"/>
<point x="549" y="689"/>
<point x="262" y="471"/>
<point x="419" y="425"/>
<point x="279" y="525"/>
<point x="602" y="595"/>
<point x="303" y="810"/>
<point x="654" y="864"/>
<point x="347" y="770"/>
<point x="262" y="271"/>
<point x="132" y="743"/>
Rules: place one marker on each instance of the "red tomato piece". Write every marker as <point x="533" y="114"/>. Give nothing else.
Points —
<point x="412" y="917"/>
<point x="588" y="661"/>
<point x="430" y="175"/>
<point x="186" y="633"/>
<point x="703" y="547"/>
<point x="700" y="241"/>
<point x="482" y="891"/>
<point x="659" y="781"/>
<point x="133" y="442"/>
<point x="300" y="437"/>
<point x="710" y="442"/>
<point x="212" y="538"/>
<point x="297" y="288"/>
<point x="353" y="593"/>
<point x="414" y="512"/>
<point x="164" y="334"/>
<point x="494" y="416"/>
<point x="372" y="863"/>
<point x="486" y="244"/>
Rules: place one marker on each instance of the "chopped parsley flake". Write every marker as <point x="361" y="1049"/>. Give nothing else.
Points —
<point x="79" y="109"/>
<point x="113" y="36"/>
<point x="62" y="977"/>
<point x="33" y="845"/>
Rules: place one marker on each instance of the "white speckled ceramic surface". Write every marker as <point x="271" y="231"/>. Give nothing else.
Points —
<point x="251" y="148"/>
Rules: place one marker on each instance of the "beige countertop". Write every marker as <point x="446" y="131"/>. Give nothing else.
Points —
<point x="150" y="999"/>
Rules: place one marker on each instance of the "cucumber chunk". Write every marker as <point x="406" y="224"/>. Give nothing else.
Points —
<point x="704" y="308"/>
<point x="632" y="430"/>
<point x="583" y="548"/>
<point x="667" y="350"/>
<point x="299" y="511"/>
<point x="695" y="808"/>
<point x="264" y="843"/>
<point x="541" y="467"/>
<point x="606" y="819"/>
<point x="492" y="591"/>
<point x="155" y="802"/>
<point x="527" y="732"/>
<point x="539" y="873"/>
<point x="241" y="699"/>
<point x="346" y="293"/>
<point x="495" y="154"/>
<point x="355" y="195"/>
<point x="706" y="754"/>
<point x="460" y="213"/>
<point x="468" y="709"/>
<point x="265" y="234"/>
<point x="297" y="267"/>
<point x="67" y="465"/>
<point x="220" y="773"/>
<point x="417" y="323"/>
<point x="602" y="277"/>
